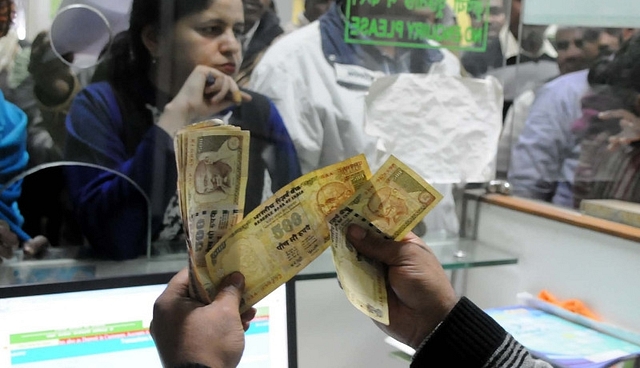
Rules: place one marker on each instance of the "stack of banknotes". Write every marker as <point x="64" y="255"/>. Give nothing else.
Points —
<point x="288" y="231"/>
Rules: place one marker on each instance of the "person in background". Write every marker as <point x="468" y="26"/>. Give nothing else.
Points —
<point x="574" y="53"/>
<point x="14" y="159"/>
<point x="545" y="155"/>
<point x="319" y="83"/>
<point x="13" y="145"/>
<point x="55" y="87"/>
<point x="261" y="29"/>
<point x="313" y="9"/>
<point x="509" y="46"/>
<point x="163" y="76"/>
<point x="424" y="313"/>
<point x="609" y="130"/>
<point x="577" y="48"/>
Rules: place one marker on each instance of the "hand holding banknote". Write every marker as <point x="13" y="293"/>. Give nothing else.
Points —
<point x="212" y="161"/>
<point x="178" y="321"/>
<point x="293" y="227"/>
<point x="285" y="233"/>
<point x="392" y="202"/>
<point x="419" y="292"/>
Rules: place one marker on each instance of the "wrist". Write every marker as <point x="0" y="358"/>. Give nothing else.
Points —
<point x="173" y="118"/>
<point x="428" y="328"/>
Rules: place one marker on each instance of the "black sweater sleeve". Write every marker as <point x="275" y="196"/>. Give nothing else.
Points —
<point x="470" y="338"/>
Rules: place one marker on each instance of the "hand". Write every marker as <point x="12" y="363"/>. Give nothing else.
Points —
<point x="419" y="292"/>
<point x="198" y="100"/>
<point x="52" y="77"/>
<point x="630" y="125"/>
<point x="187" y="331"/>
<point x="36" y="247"/>
<point x="8" y="241"/>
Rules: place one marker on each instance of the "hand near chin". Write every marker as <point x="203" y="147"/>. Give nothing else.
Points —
<point x="205" y="93"/>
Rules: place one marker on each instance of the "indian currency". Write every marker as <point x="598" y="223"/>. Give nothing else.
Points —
<point x="392" y="203"/>
<point x="212" y="161"/>
<point x="288" y="231"/>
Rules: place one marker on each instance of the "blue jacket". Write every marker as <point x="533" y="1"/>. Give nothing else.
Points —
<point x="117" y="132"/>
<point x="544" y="160"/>
<point x="13" y="160"/>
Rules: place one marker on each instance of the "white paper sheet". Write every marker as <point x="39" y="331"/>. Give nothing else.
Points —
<point x="446" y="128"/>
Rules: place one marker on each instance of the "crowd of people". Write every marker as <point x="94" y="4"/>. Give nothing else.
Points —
<point x="303" y="90"/>
<point x="571" y="132"/>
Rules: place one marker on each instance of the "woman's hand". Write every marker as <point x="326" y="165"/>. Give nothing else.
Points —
<point x="630" y="124"/>
<point x="198" y="99"/>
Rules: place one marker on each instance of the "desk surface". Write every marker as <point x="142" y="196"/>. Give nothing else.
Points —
<point x="59" y="267"/>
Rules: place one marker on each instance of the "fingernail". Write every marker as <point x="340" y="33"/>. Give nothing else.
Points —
<point x="356" y="232"/>
<point x="236" y="279"/>
<point x="211" y="80"/>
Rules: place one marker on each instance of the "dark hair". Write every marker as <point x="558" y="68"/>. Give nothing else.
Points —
<point x="7" y="13"/>
<point x="128" y="56"/>
<point x="591" y="34"/>
<point x="623" y="71"/>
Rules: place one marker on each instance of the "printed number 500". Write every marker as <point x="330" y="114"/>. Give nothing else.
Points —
<point x="286" y="225"/>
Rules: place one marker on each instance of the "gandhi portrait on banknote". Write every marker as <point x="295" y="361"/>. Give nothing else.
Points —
<point x="215" y="172"/>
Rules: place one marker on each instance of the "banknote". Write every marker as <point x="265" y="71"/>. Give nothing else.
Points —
<point x="391" y="203"/>
<point x="212" y="162"/>
<point x="288" y="231"/>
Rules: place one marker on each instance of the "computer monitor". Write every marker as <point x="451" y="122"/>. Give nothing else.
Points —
<point x="105" y="323"/>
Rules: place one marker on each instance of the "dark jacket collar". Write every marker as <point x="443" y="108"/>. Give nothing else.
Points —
<point x="268" y="30"/>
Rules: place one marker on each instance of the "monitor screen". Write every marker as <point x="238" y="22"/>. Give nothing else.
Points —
<point x="86" y="324"/>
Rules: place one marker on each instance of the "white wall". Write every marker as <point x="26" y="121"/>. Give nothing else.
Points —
<point x="601" y="270"/>
<point x="333" y="333"/>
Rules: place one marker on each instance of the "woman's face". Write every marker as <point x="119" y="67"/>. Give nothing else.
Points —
<point x="209" y="38"/>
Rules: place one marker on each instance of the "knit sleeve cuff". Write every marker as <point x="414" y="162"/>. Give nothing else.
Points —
<point x="467" y="337"/>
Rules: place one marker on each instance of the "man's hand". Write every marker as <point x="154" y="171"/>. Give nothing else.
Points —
<point x="187" y="331"/>
<point x="420" y="294"/>
<point x="53" y="79"/>
<point x="8" y="241"/>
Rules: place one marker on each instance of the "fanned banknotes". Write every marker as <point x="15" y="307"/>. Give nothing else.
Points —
<point x="392" y="202"/>
<point x="212" y="161"/>
<point x="288" y="231"/>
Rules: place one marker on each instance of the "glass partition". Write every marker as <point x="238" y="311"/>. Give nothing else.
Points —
<point x="573" y="136"/>
<point x="460" y="90"/>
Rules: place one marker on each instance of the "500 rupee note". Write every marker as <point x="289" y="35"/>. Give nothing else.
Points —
<point x="392" y="203"/>
<point x="288" y="231"/>
<point x="212" y="178"/>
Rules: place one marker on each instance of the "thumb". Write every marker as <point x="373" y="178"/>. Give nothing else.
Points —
<point x="230" y="290"/>
<point x="372" y="244"/>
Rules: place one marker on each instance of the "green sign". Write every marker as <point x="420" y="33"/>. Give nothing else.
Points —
<point x="418" y="23"/>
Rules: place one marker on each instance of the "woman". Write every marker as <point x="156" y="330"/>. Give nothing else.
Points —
<point x="609" y="164"/>
<point x="173" y="66"/>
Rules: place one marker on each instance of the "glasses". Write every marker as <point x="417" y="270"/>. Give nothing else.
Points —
<point x="564" y="45"/>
